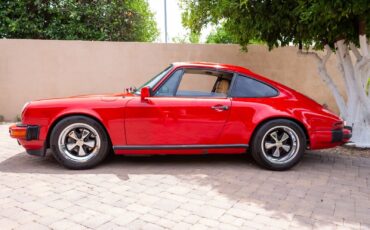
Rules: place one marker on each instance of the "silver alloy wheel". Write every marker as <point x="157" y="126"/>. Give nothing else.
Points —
<point x="79" y="142"/>
<point x="280" y="144"/>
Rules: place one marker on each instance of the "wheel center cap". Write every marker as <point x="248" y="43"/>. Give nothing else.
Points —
<point x="80" y="142"/>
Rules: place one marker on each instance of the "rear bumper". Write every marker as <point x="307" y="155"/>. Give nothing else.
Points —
<point x="330" y="138"/>
<point x="342" y="135"/>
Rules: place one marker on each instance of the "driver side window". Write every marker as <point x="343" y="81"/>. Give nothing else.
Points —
<point x="196" y="83"/>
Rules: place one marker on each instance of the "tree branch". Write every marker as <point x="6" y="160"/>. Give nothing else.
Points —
<point x="355" y="51"/>
<point x="328" y="54"/>
<point x="308" y="53"/>
<point x="330" y="83"/>
<point x="362" y="65"/>
<point x="341" y="70"/>
<point x="364" y="46"/>
<point x="356" y="91"/>
<point x="323" y="73"/>
<point x="362" y="37"/>
<point x="364" y="50"/>
<point x="353" y="73"/>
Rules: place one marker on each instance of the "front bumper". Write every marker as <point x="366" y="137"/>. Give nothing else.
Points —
<point x="24" y="132"/>
<point x="28" y="137"/>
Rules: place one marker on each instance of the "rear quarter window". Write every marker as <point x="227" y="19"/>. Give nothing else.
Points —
<point x="249" y="87"/>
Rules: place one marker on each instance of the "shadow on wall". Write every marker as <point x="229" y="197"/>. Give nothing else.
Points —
<point x="314" y="189"/>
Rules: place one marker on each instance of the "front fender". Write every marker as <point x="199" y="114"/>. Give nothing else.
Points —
<point x="109" y="114"/>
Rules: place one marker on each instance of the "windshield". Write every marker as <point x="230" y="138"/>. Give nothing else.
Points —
<point x="152" y="82"/>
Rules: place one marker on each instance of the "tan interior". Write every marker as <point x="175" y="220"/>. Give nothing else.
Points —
<point x="222" y="86"/>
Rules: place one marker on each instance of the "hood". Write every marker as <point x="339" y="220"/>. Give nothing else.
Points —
<point x="99" y="95"/>
<point x="81" y="99"/>
<point x="90" y="96"/>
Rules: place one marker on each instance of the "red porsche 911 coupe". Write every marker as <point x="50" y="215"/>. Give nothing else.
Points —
<point x="188" y="108"/>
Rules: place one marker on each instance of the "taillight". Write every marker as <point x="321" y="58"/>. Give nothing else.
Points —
<point x="338" y="125"/>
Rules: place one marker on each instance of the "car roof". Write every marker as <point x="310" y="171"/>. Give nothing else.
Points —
<point x="213" y="65"/>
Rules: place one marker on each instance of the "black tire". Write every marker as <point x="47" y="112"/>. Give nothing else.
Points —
<point x="67" y="157"/>
<point x="264" y="144"/>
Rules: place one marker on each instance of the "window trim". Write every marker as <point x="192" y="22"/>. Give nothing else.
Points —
<point x="252" y="78"/>
<point x="183" y="68"/>
<point x="232" y="83"/>
<point x="168" y="71"/>
<point x="167" y="79"/>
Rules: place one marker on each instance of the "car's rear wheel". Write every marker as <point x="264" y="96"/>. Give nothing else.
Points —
<point x="79" y="142"/>
<point x="278" y="144"/>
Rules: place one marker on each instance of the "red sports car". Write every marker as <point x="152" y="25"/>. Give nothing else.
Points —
<point x="188" y="108"/>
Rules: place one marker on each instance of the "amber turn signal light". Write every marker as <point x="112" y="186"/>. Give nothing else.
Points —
<point x="18" y="132"/>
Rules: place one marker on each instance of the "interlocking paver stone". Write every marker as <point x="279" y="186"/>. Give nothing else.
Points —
<point x="325" y="191"/>
<point x="31" y="225"/>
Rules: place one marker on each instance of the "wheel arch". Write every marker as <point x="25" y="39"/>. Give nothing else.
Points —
<point x="63" y="116"/>
<point x="303" y="127"/>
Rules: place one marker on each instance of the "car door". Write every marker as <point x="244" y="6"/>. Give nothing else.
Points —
<point x="189" y="108"/>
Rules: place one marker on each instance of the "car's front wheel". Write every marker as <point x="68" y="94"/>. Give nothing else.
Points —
<point x="79" y="142"/>
<point x="278" y="144"/>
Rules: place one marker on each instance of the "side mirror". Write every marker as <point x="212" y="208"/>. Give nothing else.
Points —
<point x="145" y="93"/>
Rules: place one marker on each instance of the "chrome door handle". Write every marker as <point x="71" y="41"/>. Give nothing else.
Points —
<point x="220" y="107"/>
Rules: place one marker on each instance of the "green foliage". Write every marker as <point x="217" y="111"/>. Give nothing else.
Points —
<point x="220" y="35"/>
<point x="113" y="20"/>
<point x="180" y="39"/>
<point x="282" y="22"/>
<point x="187" y="38"/>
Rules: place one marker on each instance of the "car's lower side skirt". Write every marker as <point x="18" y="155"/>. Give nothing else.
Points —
<point x="174" y="147"/>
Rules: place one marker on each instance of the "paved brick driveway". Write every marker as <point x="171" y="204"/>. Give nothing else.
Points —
<point x="182" y="192"/>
